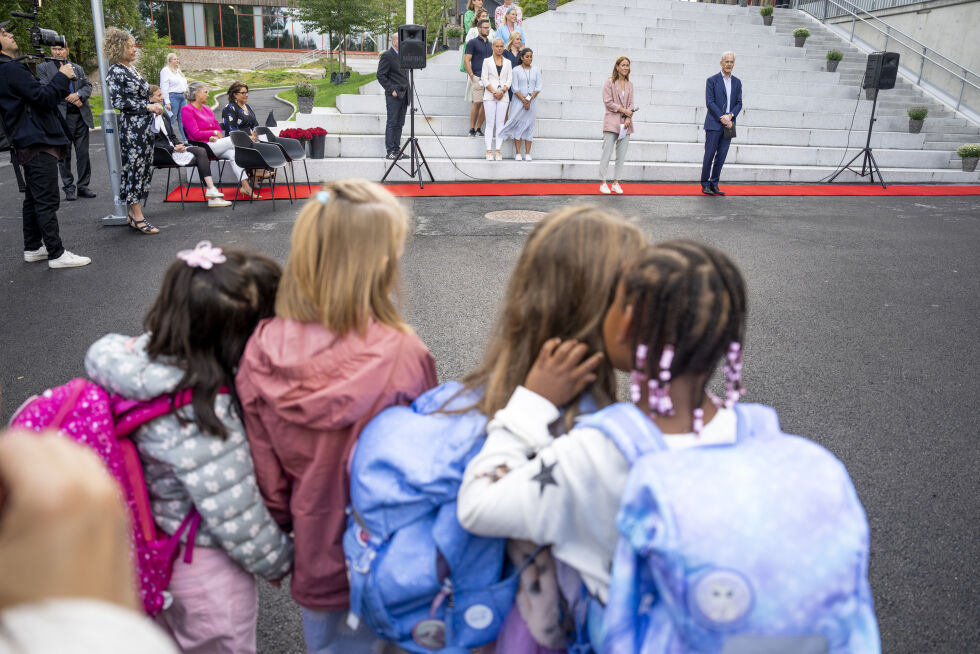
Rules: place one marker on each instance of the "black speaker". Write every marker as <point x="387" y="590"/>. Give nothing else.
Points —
<point x="882" y="71"/>
<point x="411" y="46"/>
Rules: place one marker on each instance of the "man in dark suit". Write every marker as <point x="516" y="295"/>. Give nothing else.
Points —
<point x="78" y="116"/>
<point x="395" y="83"/>
<point x="723" y="96"/>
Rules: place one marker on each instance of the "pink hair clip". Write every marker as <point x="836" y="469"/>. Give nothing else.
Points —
<point x="204" y="255"/>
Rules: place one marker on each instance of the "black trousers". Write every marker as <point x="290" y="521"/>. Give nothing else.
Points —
<point x="78" y="135"/>
<point x="41" y="202"/>
<point x="17" y="173"/>
<point x="396" y="120"/>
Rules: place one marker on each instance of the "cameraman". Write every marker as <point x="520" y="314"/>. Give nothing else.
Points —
<point x="36" y="130"/>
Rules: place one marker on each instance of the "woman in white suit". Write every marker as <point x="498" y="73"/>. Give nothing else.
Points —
<point x="496" y="78"/>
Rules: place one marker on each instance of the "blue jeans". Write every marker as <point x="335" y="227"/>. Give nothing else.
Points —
<point x="177" y="100"/>
<point x="327" y="632"/>
<point x="715" y="151"/>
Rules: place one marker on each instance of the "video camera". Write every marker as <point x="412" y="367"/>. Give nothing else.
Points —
<point x="40" y="37"/>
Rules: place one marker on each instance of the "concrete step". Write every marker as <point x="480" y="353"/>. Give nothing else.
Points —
<point x="466" y="170"/>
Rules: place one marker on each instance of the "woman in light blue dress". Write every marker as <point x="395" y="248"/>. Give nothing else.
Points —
<point x="526" y="85"/>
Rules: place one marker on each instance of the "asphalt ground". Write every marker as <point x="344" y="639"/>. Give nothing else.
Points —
<point x="862" y="333"/>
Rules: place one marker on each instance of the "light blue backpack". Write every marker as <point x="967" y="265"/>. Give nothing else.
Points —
<point x="760" y="547"/>
<point x="417" y="578"/>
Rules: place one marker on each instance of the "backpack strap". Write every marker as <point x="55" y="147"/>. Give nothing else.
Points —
<point x="131" y="415"/>
<point x="629" y="428"/>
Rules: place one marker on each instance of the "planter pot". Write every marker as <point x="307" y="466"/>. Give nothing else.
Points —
<point x="870" y="93"/>
<point x="317" y="146"/>
<point x="454" y="42"/>
<point x="915" y="126"/>
<point x="800" y="40"/>
<point x="832" y="65"/>
<point x="767" y="20"/>
<point x="552" y="5"/>
<point x="743" y="3"/>
<point x="305" y="105"/>
<point x="970" y="164"/>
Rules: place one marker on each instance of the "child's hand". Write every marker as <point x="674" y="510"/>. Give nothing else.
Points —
<point x="559" y="374"/>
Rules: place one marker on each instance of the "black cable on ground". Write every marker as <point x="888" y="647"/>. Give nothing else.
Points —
<point x="847" y="142"/>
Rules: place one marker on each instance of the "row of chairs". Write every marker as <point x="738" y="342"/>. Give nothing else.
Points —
<point x="252" y="157"/>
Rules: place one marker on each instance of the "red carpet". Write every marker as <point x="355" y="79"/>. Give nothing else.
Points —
<point x="591" y="188"/>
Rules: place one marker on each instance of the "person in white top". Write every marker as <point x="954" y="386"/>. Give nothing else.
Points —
<point x="66" y="580"/>
<point x="565" y="491"/>
<point x="501" y="12"/>
<point x="174" y="84"/>
<point x="496" y="80"/>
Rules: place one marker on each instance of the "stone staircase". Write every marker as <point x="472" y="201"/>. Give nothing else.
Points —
<point x="794" y="127"/>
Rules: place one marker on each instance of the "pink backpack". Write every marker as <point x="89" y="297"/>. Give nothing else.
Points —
<point x="87" y="414"/>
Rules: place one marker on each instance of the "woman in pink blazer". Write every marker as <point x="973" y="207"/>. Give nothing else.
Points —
<point x="496" y="77"/>
<point x="617" y="124"/>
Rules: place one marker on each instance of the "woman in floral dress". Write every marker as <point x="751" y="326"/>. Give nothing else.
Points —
<point x="130" y="94"/>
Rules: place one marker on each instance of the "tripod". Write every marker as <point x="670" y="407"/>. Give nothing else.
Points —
<point x="416" y="158"/>
<point x="868" y="166"/>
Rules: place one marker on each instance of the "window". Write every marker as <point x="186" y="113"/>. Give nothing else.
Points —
<point x="229" y="26"/>
<point x="246" y="27"/>
<point x="212" y="22"/>
<point x="175" y="15"/>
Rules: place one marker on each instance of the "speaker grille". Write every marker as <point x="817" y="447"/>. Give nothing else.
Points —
<point x="881" y="71"/>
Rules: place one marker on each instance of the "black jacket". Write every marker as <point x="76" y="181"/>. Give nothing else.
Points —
<point x="83" y="88"/>
<point x="390" y="74"/>
<point x="30" y="108"/>
<point x="167" y="139"/>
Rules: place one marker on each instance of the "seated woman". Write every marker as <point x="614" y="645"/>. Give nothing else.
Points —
<point x="526" y="85"/>
<point x="183" y="154"/>
<point x="237" y="114"/>
<point x="201" y="125"/>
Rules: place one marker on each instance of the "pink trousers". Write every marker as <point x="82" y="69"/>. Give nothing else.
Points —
<point x="215" y="605"/>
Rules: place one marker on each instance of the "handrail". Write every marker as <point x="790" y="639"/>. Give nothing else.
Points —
<point x="893" y="33"/>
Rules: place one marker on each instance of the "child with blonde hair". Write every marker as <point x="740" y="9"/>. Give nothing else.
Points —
<point x="336" y="353"/>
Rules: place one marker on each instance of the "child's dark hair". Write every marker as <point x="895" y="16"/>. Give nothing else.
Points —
<point x="689" y="296"/>
<point x="202" y="319"/>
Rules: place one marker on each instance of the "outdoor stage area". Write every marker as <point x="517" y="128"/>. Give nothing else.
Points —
<point x="862" y="334"/>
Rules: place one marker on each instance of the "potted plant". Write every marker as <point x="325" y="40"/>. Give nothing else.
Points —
<point x="743" y="3"/>
<point x="916" y="116"/>
<point x="766" y="13"/>
<point x="318" y="141"/>
<point x="800" y="34"/>
<point x="454" y="34"/>
<point x="552" y="5"/>
<point x="833" y="58"/>
<point x="969" y="153"/>
<point x="305" y="92"/>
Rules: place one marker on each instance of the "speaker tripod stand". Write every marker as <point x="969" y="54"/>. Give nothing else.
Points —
<point x="868" y="165"/>
<point x="416" y="158"/>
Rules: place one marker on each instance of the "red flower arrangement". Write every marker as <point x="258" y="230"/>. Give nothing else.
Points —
<point x="302" y="134"/>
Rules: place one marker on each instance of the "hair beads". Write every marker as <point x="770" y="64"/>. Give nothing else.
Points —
<point x="638" y="375"/>
<point x="733" y="375"/>
<point x="659" y="389"/>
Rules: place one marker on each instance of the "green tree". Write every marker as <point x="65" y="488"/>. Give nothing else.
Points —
<point x="73" y="18"/>
<point x="340" y="17"/>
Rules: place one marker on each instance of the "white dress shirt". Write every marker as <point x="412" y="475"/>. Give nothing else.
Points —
<point x="728" y="92"/>
<point x="171" y="82"/>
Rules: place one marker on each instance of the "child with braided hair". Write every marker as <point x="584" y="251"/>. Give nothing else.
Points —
<point x="679" y="311"/>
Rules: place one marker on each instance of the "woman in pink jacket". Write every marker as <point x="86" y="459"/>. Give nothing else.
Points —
<point x="201" y="125"/>
<point x="335" y="355"/>
<point x="617" y="124"/>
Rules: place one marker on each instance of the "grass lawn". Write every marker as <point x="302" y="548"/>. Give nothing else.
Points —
<point x="326" y="93"/>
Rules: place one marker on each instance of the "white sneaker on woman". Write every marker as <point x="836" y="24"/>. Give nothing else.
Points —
<point x="218" y="202"/>
<point x="69" y="260"/>
<point x="527" y="157"/>
<point x="604" y="189"/>
<point x="213" y="192"/>
<point x="517" y="157"/>
<point x="498" y="156"/>
<point x="617" y="188"/>
<point x="489" y="155"/>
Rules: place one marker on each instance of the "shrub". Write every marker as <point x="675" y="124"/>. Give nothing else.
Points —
<point x="766" y="11"/>
<point x="918" y="113"/>
<point x="454" y="32"/>
<point x="305" y="90"/>
<point x="835" y="55"/>
<point x="968" y="150"/>
<point x="801" y="31"/>
<point x="152" y="55"/>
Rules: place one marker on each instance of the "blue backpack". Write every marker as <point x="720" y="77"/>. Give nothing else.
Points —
<point x="760" y="547"/>
<point x="417" y="578"/>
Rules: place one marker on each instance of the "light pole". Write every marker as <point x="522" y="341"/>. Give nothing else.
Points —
<point x="110" y="128"/>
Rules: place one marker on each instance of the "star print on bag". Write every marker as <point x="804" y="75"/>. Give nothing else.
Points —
<point x="545" y="476"/>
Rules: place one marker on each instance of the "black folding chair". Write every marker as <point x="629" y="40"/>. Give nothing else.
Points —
<point x="292" y="149"/>
<point x="251" y="157"/>
<point x="163" y="158"/>
<point x="211" y="157"/>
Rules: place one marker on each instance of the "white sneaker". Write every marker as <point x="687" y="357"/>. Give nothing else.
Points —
<point x="40" y="254"/>
<point x="604" y="189"/>
<point x="527" y="157"/>
<point x="218" y="202"/>
<point x="498" y="156"/>
<point x="213" y="193"/>
<point x="69" y="260"/>
<point x="517" y="157"/>
<point x="489" y="156"/>
<point x="617" y="188"/>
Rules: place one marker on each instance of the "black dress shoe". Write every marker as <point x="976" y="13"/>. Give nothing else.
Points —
<point x="85" y="193"/>
<point x="707" y="190"/>
<point x="716" y="190"/>
<point x="70" y="195"/>
<point x="479" y="131"/>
